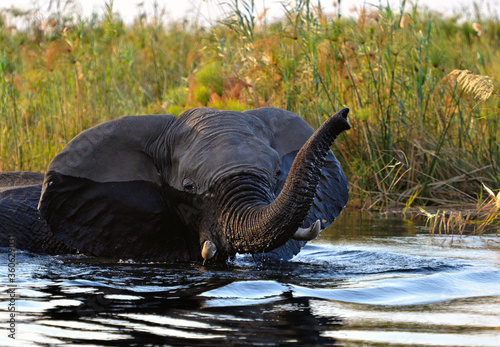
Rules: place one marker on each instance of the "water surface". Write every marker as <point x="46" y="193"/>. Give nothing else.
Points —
<point x="368" y="280"/>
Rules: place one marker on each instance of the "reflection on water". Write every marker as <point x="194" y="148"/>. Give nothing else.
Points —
<point x="370" y="280"/>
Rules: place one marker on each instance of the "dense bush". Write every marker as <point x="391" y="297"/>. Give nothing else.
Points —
<point x="422" y="132"/>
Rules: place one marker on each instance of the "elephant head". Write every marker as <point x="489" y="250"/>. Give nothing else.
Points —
<point x="207" y="184"/>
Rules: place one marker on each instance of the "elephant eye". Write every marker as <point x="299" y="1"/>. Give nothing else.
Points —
<point x="277" y="173"/>
<point x="189" y="185"/>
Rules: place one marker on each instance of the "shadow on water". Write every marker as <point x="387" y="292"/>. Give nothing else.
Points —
<point x="370" y="280"/>
<point x="173" y="305"/>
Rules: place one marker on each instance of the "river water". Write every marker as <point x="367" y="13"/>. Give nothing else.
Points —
<point x="368" y="280"/>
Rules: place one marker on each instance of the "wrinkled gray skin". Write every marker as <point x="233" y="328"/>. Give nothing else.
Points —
<point x="160" y="188"/>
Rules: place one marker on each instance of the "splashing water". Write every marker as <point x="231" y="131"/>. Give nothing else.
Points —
<point x="367" y="280"/>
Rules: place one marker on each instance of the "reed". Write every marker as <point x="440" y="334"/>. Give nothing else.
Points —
<point x="484" y="218"/>
<point x="424" y="113"/>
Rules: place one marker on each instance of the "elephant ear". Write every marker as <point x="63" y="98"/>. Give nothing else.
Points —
<point x="101" y="194"/>
<point x="290" y="134"/>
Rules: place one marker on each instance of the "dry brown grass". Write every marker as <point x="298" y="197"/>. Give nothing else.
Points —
<point x="485" y="218"/>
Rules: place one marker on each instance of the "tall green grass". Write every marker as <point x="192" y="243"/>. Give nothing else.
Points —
<point x="420" y="135"/>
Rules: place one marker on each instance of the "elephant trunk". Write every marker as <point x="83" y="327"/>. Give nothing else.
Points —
<point x="254" y="222"/>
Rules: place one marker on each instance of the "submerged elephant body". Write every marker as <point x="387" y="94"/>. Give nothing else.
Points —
<point x="208" y="184"/>
<point x="19" y="217"/>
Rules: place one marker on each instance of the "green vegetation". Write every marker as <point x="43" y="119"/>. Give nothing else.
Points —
<point x="424" y="112"/>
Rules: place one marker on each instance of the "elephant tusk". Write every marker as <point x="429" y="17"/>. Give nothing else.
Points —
<point x="308" y="234"/>
<point x="208" y="251"/>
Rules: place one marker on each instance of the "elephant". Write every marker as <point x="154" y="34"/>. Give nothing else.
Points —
<point x="200" y="187"/>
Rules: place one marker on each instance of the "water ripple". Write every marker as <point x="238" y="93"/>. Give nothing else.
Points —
<point x="365" y="291"/>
